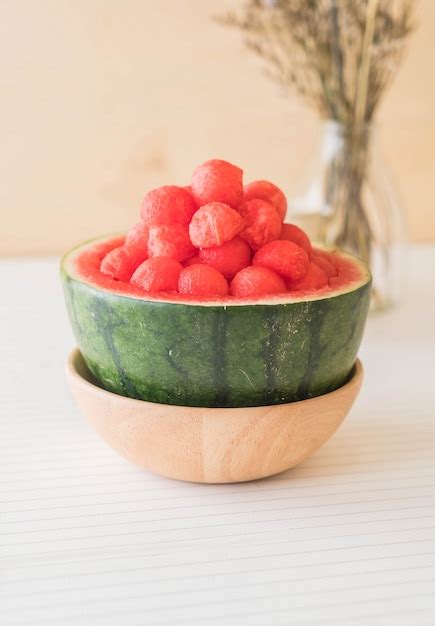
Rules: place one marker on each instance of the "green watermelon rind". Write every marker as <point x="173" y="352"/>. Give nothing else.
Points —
<point x="216" y="354"/>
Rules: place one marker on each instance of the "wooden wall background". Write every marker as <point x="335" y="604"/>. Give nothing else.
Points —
<point x="102" y="99"/>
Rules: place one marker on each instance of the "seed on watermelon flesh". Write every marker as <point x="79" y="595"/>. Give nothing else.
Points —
<point x="293" y="233"/>
<point x="283" y="257"/>
<point x="170" y="241"/>
<point x="137" y="236"/>
<point x="121" y="262"/>
<point x="264" y="190"/>
<point x="168" y="205"/>
<point x="321" y="261"/>
<point x="229" y="258"/>
<point x="217" y="181"/>
<point x="202" y="280"/>
<point x="255" y="281"/>
<point x="214" y="224"/>
<point x="157" y="274"/>
<point x="315" y="278"/>
<point x="263" y="223"/>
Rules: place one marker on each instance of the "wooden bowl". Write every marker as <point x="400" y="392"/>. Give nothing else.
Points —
<point x="211" y="445"/>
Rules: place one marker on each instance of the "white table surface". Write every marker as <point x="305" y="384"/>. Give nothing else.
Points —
<point x="84" y="540"/>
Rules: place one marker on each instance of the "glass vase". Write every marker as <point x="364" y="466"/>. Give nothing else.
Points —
<point x="348" y="201"/>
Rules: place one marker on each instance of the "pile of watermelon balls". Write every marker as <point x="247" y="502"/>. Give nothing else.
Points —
<point x="217" y="237"/>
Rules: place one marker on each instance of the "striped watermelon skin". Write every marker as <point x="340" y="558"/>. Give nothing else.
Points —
<point x="219" y="355"/>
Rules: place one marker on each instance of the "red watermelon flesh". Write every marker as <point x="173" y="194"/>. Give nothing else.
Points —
<point x="214" y="224"/>
<point x="121" y="262"/>
<point x="283" y="257"/>
<point x="157" y="274"/>
<point x="170" y="241"/>
<point x="217" y="181"/>
<point x="137" y="236"/>
<point x="293" y="233"/>
<point x="254" y="281"/>
<point x="321" y="260"/>
<point x="263" y="224"/>
<point x="194" y="260"/>
<point x="216" y="231"/>
<point x="168" y="205"/>
<point x="202" y="280"/>
<point x="313" y="280"/>
<point x="229" y="258"/>
<point x="264" y="190"/>
<point x="88" y="261"/>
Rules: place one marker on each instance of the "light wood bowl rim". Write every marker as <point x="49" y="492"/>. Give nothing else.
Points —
<point x="75" y="355"/>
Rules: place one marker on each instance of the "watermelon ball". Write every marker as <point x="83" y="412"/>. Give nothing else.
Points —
<point x="188" y="188"/>
<point x="293" y="233"/>
<point x="121" y="262"/>
<point x="314" y="279"/>
<point x="321" y="261"/>
<point x="202" y="280"/>
<point x="137" y="237"/>
<point x="229" y="258"/>
<point x="263" y="223"/>
<point x="255" y="281"/>
<point x="214" y="224"/>
<point x="217" y="181"/>
<point x="157" y="274"/>
<point x="171" y="241"/>
<point x="283" y="257"/>
<point x="167" y="205"/>
<point x="264" y="190"/>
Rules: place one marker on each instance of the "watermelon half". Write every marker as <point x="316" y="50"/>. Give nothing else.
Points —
<point x="176" y="349"/>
